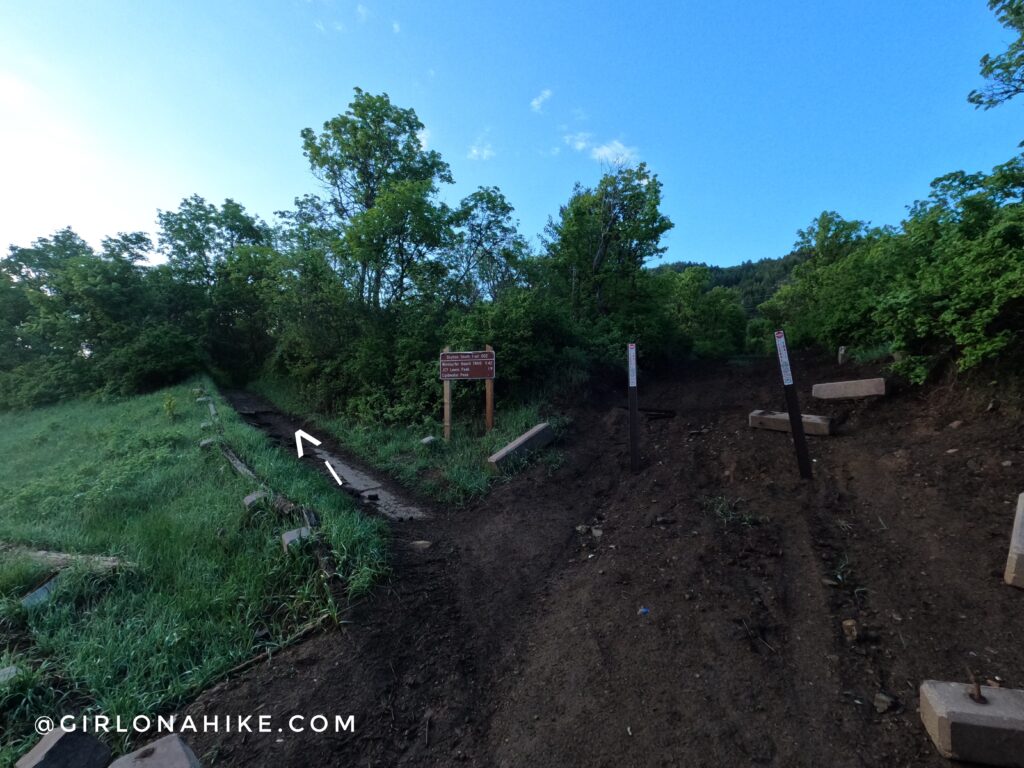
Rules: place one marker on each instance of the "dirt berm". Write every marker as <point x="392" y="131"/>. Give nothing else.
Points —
<point x="697" y="619"/>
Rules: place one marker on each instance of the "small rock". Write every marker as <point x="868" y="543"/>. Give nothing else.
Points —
<point x="207" y="442"/>
<point x="883" y="703"/>
<point x="951" y="451"/>
<point x="7" y="673"/>
<point x="254" y="498"/>
<point x="428" y="440"/>
<point x="843" y="356"/>
<point x="421" y="545"/>
<point x="830" y="583"/>
<point x="956" y="424"/>
<point x="993" y="405"/>
<point x="597" y="533"/>
<point x="1007" y="463"/>
<point x="205" y="425"/>
<point x="292" y="537"/>
<point x="583" y="530"/>
<point x="850" y="629"/>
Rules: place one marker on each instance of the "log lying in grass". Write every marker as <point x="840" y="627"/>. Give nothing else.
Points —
<point x="239" y="466"/>
<point x="59" y="560"/>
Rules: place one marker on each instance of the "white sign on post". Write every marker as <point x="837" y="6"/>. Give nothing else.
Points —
<point x="780" y="344"/>
<point x="631" y="357"/>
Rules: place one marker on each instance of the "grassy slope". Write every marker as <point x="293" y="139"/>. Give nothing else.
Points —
<point x="209" y="589"/>
<point x="452" y="473"/>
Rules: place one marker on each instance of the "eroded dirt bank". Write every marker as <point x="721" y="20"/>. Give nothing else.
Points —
<point x="518" y="640"/>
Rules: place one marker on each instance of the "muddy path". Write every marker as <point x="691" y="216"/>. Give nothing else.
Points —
<point x="690" y="614"/>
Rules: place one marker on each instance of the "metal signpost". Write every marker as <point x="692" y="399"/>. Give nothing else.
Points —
<point x="796" y="421"/>
<point x="634" y="411"/>
<point x="467" y="366"/>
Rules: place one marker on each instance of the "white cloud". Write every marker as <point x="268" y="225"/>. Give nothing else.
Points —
<point x="362" y="12"/>
<point x="339" y="27"/>
<point x="537" y="103"/>
<point x="614" y="152"/>
<point x="424" y="137"/>
<point x="319" y="26"/>
<point x="396" y="27"/>
<point x="481" y="150"/>
<point x="578" y="141"/>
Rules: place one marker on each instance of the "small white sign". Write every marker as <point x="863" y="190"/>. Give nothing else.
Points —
<point x="780" y="344"/>
<point x="631" y="357"/>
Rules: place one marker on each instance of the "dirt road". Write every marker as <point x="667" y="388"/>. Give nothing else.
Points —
<point x="688" y="615"/>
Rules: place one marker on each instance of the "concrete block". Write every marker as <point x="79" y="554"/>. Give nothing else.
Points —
<point x="292" y="537"/>
<point x="779" y="421"/>
<point x="962" y="729"/>
<point x="66" y="749"/>
<point x="254" y="498"/>
<point x="213" y="409"/>
<point x="40" y="595"/>
<point x="1014" y="575"/>
<point x="8" y="673"/>
<point x="849" y="390"/>
<point x="532" y="440"/>
<point x="169" y="752"/>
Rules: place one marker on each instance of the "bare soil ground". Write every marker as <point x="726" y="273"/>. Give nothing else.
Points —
<point x="517" y="640"/>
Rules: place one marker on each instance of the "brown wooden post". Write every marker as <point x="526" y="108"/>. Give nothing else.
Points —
<point x="447" y="406"/>
<point x="489" y="395"/>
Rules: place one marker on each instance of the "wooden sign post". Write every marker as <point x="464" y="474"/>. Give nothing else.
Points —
<point x="447" y="385"/>
<point x="489" y="396"/>
<point x="634" y="411"/>
<point x="467" y="366"/>
<point x="796" y="420"/>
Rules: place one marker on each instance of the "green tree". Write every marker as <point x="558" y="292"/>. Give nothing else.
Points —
<point x="1005" y="71"/>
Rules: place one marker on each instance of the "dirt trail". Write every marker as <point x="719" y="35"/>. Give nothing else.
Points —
<point x="697" y="618"/>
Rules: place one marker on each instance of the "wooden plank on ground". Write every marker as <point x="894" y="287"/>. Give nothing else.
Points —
<point x="779" y="421"/>
<point x="534" y="439"/>
<point x="849" y="390"/>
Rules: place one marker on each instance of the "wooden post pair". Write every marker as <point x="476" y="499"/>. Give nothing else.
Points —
<point x="488" y="406"/>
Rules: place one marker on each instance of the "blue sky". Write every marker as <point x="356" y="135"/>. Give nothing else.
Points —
<point x="756" y="115"/>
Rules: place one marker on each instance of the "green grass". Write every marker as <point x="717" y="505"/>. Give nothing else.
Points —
<point x="453" y="473"/>
<point x="209" y="586"/>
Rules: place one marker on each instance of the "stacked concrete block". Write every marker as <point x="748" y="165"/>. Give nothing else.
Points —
<point x="990" y="731"/>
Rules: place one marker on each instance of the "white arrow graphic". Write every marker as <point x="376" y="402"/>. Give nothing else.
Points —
<point x="299" y="435"/>
<point x="333" y="473"/>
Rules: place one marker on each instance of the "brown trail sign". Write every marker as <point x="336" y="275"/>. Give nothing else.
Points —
<point x="467" y="366"/>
